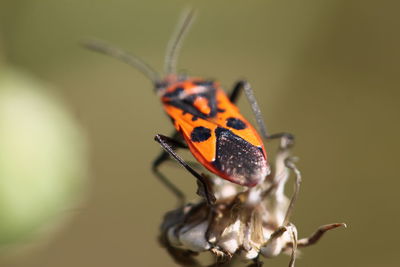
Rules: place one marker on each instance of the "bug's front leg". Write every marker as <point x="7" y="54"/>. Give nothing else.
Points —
<point x="163" y="157"/>
<point x="204" y="187"/>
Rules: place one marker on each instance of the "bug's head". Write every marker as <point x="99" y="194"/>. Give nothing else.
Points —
<point x="161" y="86"/>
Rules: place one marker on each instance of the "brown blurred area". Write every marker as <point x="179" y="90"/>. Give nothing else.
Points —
<point x="327" y="71"/>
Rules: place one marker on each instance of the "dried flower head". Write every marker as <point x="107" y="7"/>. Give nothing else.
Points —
<point x="243" y="222"/>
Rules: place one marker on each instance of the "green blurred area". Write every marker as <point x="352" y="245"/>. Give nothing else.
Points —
<point x="43" y="163"/>
<point x="326" y="71"/>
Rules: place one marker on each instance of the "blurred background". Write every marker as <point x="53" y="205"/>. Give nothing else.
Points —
<point x="327" y="71"/>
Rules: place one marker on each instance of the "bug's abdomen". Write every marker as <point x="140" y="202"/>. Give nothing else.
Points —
<point x="234" y="158"/>
<point x="239" y="161"/>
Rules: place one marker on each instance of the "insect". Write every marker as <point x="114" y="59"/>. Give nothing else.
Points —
<point x="206" y="121"/>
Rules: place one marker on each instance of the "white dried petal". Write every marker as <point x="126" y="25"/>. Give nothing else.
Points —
<point x="274" y="248"/>
<point x="213" y="238"/>
<point x="193" y="238"/>
<point x="230" y="239"/>
<point x="224" y="189"/>
<point x="227" y="191"/>
<point x="267" y="233"/>
<point x="249" y="255"/>
<point x="254" y="196"/>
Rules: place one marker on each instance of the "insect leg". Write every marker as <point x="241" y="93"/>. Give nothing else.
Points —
<point x="235" y="92"/>
<point x="167" y="144"/>
<point x="164" y="155"/>
<point x="161" y="158"/>
<point x="233" y="97"/>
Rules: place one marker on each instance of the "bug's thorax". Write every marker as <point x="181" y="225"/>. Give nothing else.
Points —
<point x="191" y="95"/>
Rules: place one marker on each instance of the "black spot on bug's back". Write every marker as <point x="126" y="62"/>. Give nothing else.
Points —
<point x="200" y="134"/>
<point x="242" y="162"/>
<point x="235" y="123"/>
<point x="194" y="118"/>
<point x="221" y="110"/>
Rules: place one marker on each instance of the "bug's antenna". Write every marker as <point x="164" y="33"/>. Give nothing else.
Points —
<point x="104" y="48"/>
<point x="175" y="42"/>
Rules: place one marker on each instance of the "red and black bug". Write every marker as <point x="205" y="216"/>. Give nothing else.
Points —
<point x="206" y="120"/>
